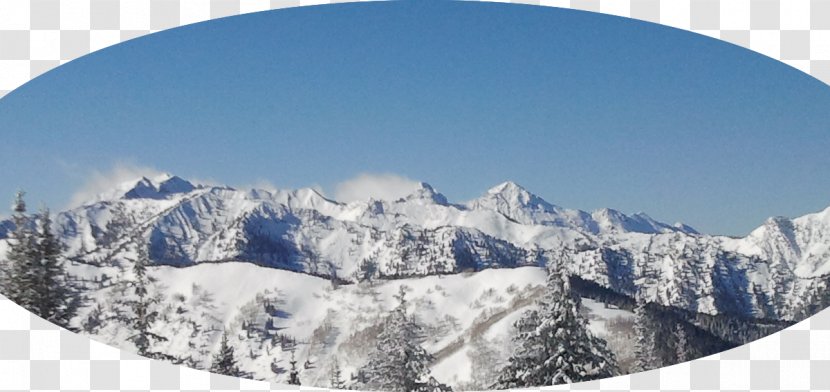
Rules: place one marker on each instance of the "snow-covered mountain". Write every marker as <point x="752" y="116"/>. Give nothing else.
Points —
<point x="762" y="275"/>
<point x="291" y="271"/>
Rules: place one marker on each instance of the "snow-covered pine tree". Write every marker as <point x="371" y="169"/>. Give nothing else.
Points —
<point x="681" y="344"/>
<point x="335" y="281"/>
<point x="645" y="331"/>
<point x="35" y="277"/>
<point x="94" y="320"/>
<point x="224" y="361"/>
<point x="143" y="315"/>
<point x="553" y="343"/>
<point x="336" y="376"/>
<point x="294" y="374"/>
<point x="399" y="363"/>
<point x="367" y="270"/>
<point x="20" y="279"/>
<point x="56" y="300"/>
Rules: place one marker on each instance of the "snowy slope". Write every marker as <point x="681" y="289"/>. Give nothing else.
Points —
<point x="325" y="321"/>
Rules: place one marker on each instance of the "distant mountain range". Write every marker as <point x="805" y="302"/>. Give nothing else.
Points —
<point x="765" y="274"/>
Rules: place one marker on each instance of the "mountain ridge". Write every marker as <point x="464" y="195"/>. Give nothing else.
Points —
<point x="763" y="274"/>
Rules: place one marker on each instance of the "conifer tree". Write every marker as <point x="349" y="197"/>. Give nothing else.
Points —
<point x="336" y="376"/>
<point x="94" y="320"/>
<point x="681" y="344"/>
<point x="20" y="279"/>
<point x="34" y="275"/>
<point x="553" y="343"/>
<point x="645" y="330"/>
<point x="55" y="299"/>
<point x="224" y="361"/>
<point x="294" y="374"/>
<point x="143" y="314"/>
<point x="399" y="363"/>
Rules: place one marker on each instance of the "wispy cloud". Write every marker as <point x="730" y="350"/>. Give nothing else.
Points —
<point x="378" y="186"/>
<point x="98" y="182"/>
<point x="263" y="184"/>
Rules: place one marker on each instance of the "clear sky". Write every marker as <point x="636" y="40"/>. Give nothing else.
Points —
<point x="585" y="110"/>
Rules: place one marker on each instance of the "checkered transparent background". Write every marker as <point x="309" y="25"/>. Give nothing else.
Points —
<point x="38" y="35"/>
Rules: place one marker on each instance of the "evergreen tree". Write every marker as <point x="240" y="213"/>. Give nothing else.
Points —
<point x="34" y="275"/>
<point x="681" y="344"/>
<point x="294" y="374"/>
<point x="94" y="320"/>
<point x="143" y="314"/>
<point x="20" y="279"/>
<point x="398" y="362"/>
<point x="55" y="299"/>
<point x="336" y="376"/>
<point x="645" y="330"/>
<point x="224" y="361"/>
<point x="553" y="344"/>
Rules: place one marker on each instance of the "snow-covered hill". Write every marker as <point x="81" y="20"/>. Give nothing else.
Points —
<point x="273" y="315"/>
<point x="276" y="311"/>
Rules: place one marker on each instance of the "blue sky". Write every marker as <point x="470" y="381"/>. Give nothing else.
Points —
<point x="585" y="110"/>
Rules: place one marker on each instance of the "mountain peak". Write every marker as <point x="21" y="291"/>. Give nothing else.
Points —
<point x="604" y="214"/>
<point x="640" y="222"/>
<point x="175" y="184"/>
<point x="507" y="187"/>
<point x="157" y="188"/>
<point x="642" y="215"/>
<point x="427" y="192"/>
<point x="685" y="228"/>
<point x="143" y="188"/>
<point x="516" y="195"/>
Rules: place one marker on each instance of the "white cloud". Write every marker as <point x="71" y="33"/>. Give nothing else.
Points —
<point x="378" y="186"/>
<point x="98" y="182"/>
